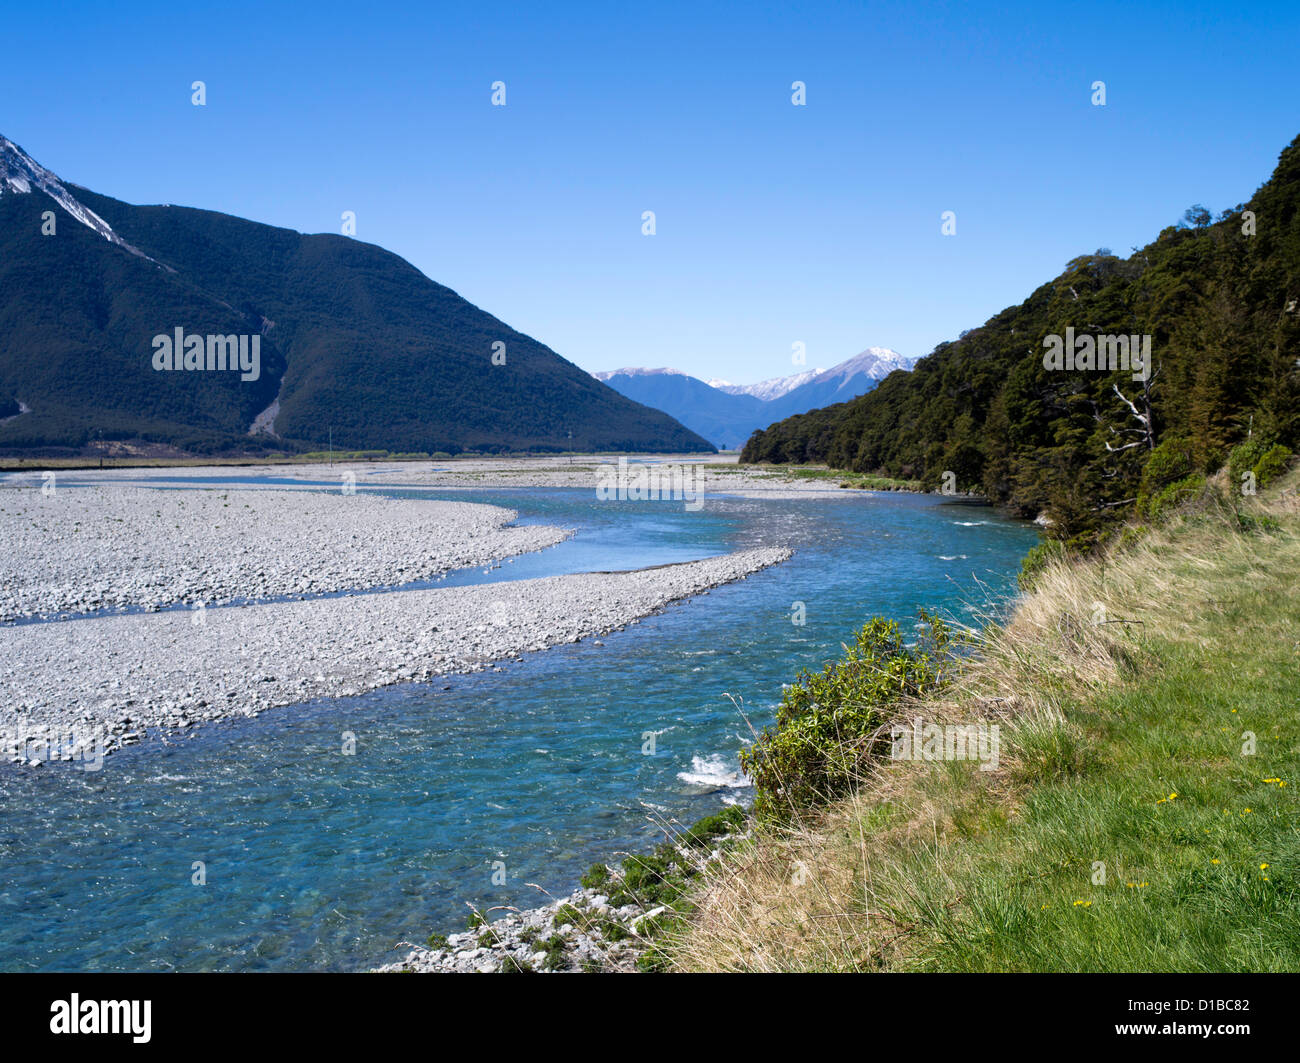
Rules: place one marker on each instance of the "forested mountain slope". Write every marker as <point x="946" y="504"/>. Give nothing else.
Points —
<point x="1220" y="302"/>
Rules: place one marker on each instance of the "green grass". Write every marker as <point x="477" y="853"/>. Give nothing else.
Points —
<point x="862" y="482"/>
<point x="1029" y="892"/>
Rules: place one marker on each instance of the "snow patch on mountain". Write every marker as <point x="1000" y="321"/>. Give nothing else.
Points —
<point x="875" y="362"/>
<point x="606" y="374"/>
<point x="20" y="173"/>
<point x="773" y="387"/>
<point x="726" y="414"/>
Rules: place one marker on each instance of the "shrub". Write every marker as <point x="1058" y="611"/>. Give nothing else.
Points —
<point x="554" y="947"/>
<point x="1174" y="495"/>
<point x="567" y="913"/>
<point x="1271" y="465"/>
<point x="650" y="880"/>
<point x="710" y="828"/>
<point x="655" y="960"/>
<point x="827" y="722"/>
<point x="1170" y="463"/>
<point x="1245" y="455"/>
<point x="1036" y="560"/>
<point x="612" y="930"/>
<point x="596" y="878"/>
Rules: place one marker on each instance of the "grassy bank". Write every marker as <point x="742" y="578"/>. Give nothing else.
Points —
<point x="1142" y="815"/>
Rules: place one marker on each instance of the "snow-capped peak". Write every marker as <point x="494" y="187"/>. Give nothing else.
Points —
<point x="20" y="173"/>
<point x="606" y="374"/>
<point x="875" y="362"/>
<point x="772" y="388"/>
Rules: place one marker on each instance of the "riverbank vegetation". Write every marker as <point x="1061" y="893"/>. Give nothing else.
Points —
<point x="1140" y="814"/>
<point x="833" y="477"/>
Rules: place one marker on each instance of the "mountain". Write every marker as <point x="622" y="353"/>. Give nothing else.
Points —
<point x="848" y="380"/>
<point x="350" y="338"/>
<point x="19" y="173"/>
<point x="1217" y="304"/>
<point x="727" y="414"/>
<point x="724" y="420"/>
<point x="772" y="388"/>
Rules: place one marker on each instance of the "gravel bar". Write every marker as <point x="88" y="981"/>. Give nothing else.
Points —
<point x="124" y="678"/>
<point x="81" y="550"/>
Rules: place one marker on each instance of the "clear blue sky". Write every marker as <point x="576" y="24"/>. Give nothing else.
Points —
<point x="775" y="223"/>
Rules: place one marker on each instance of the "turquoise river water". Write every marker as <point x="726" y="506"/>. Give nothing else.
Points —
<point x="320" y="861"/>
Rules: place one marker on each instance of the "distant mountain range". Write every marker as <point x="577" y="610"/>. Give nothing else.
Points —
<point x="727" y="414"/>
<point x="100" y="302"/>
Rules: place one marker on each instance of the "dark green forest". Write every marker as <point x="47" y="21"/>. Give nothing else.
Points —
<point x="1220" y="299"/>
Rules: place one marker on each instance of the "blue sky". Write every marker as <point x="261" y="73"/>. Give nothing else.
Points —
<point x="775" y="224"/>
